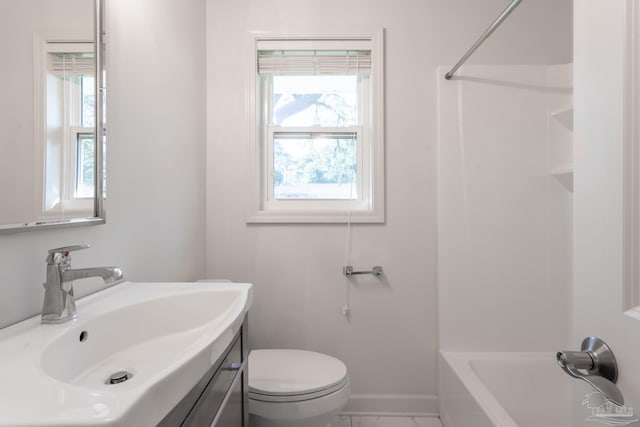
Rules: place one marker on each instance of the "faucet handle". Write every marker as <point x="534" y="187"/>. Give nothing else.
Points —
<point x="60" y="256"/>
<point x="66" y="249"/>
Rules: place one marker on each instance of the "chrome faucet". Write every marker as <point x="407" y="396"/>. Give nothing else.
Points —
<point x="59" y="303"/>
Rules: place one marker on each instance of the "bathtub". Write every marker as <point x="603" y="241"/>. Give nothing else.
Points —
<point x="503" y="390"/>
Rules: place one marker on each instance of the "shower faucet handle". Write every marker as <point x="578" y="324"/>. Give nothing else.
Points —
<point x="597" y="359"/>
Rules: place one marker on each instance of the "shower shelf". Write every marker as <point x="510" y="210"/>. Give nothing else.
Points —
<point x="564" y="117"/>
<point x="564" y="176"/>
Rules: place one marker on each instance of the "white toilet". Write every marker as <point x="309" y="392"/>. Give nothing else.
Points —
<point x="295" y="388"/>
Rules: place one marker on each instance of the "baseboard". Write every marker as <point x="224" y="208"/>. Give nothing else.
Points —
<point x="398" y="405"/>
<point x="444" y="419"/>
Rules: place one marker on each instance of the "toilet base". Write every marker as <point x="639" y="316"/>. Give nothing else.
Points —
<point x="318" y="412"/>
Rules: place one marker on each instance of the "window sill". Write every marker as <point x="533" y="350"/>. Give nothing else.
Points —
<point x="328" y="217"/>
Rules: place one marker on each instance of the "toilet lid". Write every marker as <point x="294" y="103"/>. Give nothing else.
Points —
<point x="293" y="372"/>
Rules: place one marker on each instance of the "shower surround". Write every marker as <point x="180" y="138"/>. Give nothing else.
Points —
<point x="504" y="209"/>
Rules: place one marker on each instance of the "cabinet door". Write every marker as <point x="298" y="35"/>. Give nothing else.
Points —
<point x="219" y="392"/>
<point x="232" y="413"/>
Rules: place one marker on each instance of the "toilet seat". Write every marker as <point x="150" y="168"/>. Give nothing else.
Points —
<point x="294" y="375"/>
<point x="297" y="397"/>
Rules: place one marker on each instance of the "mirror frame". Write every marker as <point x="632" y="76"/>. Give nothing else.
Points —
<point x="99" y="216"/>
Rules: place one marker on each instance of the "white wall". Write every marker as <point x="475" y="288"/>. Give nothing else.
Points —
<point x="504" y="228"/>
<point x="390" y="343"/>
<point x="156" y="195"/>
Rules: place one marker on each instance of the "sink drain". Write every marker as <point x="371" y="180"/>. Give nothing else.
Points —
<point x="118" y="377"/>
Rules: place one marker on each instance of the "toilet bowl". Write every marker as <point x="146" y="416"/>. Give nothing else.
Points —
<point x="295" y="388"/>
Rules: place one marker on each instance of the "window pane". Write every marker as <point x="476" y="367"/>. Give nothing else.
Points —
<point x="315" y="100"/>
<point x="315" y="166"/>
<point x="85" y="167"/>
<point x="88" y="101"/>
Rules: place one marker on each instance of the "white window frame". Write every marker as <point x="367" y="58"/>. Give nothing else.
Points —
<point x="262" y="207"/>
<point x="71" y="195"/>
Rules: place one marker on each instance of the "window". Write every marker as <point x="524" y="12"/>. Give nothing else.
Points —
<point x="65" y="97"/>
<point x="317" y="130"/>
<point x="80" y="147"/>
<point x="85" y="146"/>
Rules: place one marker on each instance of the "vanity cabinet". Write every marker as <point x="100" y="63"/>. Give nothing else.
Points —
<point x="220" y="398"/>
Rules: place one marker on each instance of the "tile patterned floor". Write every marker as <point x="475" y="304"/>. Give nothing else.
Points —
<point x="344" y="421"/>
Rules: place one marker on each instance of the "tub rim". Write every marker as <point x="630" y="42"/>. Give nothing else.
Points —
<point x="460" y="364"/>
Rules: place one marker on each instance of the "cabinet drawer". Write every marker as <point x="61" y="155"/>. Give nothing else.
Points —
<point x="212" y="398"/>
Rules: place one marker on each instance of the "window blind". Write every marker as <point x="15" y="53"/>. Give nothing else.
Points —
<point x="72" y="63"/>
<point x="282" y="62"/>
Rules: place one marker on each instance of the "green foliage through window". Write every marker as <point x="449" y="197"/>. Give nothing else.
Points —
<point x="315" y="168"/>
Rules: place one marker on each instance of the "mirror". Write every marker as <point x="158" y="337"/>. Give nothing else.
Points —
<point x="51" y="114"/>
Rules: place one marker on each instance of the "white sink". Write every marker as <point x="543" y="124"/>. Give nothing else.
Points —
<point x="167" y="335"/>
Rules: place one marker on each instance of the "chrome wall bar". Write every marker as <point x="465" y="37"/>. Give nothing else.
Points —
<point x="483" y="37"/>
<point x="348" y="271"/>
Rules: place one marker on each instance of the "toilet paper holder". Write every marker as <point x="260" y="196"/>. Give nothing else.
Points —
<point x="349" y="271"/>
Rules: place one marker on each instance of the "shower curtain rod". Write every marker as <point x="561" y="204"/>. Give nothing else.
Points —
<point x="483" y="37"/>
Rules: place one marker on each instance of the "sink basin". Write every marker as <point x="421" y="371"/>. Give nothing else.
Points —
<point x="164" y="335"/>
